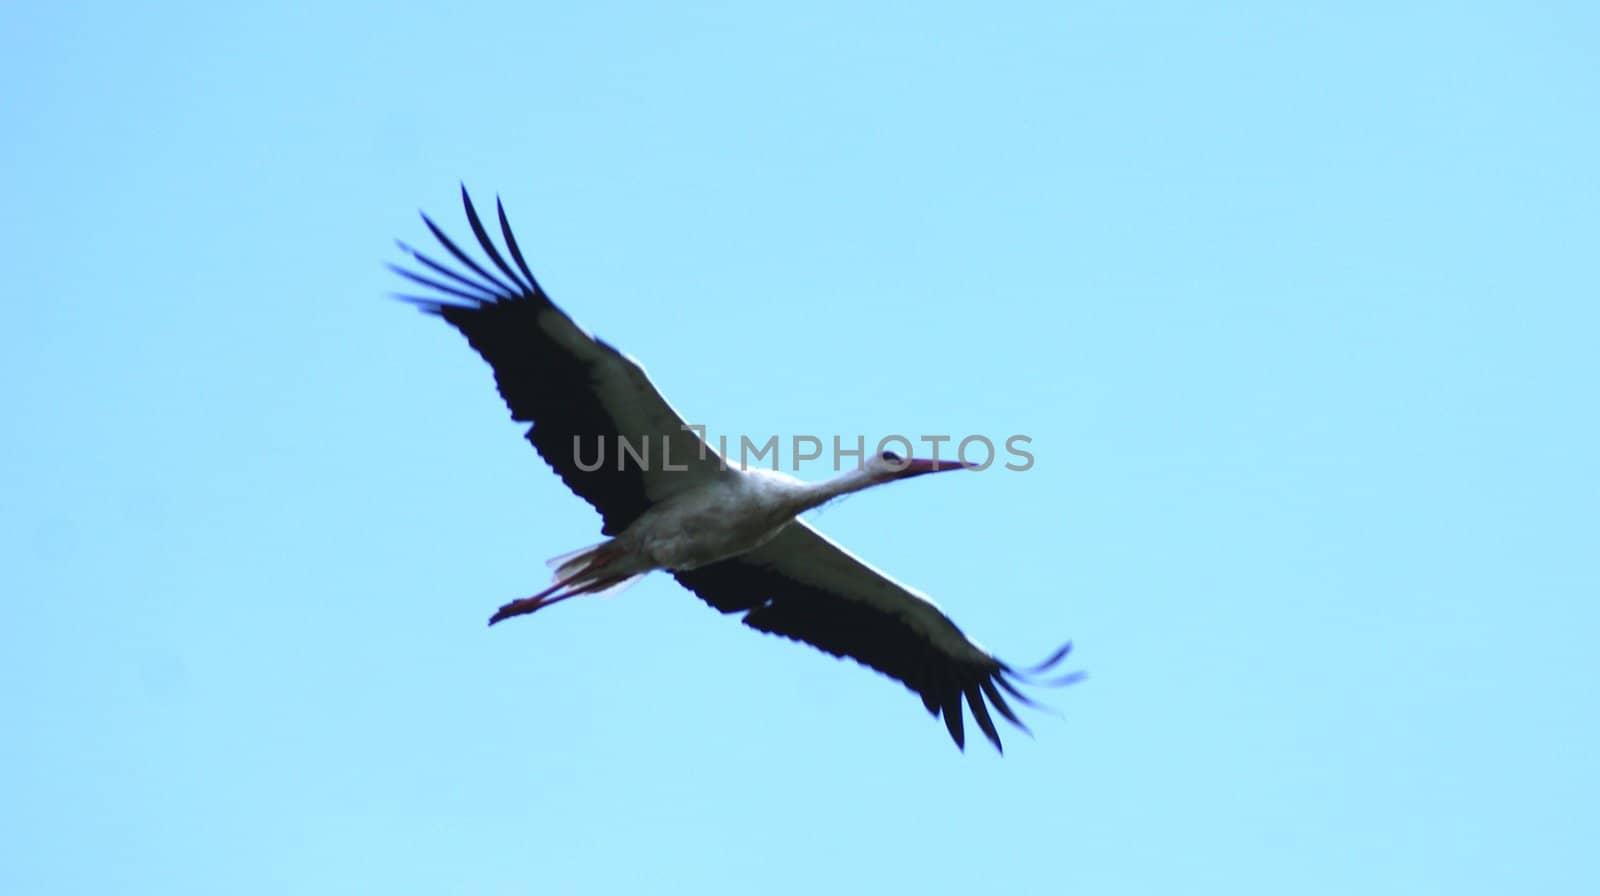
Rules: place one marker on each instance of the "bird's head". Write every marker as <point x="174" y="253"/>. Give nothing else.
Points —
<point x="889" y="465"/>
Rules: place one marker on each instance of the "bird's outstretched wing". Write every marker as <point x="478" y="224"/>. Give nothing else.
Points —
<point x="577" y="391"/>
<point x="802" y="586"/>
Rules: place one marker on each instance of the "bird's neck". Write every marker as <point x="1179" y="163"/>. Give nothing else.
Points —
<point x="816" y="494"/>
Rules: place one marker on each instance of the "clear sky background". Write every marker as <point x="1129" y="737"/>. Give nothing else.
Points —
<point x="1298" y="306"/>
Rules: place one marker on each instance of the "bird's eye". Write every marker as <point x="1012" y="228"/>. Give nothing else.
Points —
<point x="889" y="457"/>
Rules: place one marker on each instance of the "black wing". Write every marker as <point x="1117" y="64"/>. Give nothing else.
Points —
<point x="802" y="586"/>
<point x="577" y="391"/>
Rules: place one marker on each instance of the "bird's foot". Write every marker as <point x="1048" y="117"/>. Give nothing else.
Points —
<point x="525" y="606"/>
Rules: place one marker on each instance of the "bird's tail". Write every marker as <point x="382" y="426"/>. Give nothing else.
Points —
<point x="570" y="564"/>
<point x="590" y="571"/>
<point x="602" y="569"/>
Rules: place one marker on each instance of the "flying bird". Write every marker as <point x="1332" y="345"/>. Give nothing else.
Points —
<point x="730" y="535"/>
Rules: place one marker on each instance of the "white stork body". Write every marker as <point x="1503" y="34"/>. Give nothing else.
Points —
<point x="722" y="518"/>
<point x="731" y="536"/>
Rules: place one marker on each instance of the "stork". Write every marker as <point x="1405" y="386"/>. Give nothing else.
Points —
<point x="730" y="535"/>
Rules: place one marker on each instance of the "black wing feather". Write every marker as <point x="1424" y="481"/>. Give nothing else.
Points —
<point x="880" y="640"/>
<point x="481" y="294"/>
<point x="543" y="382"/>
<point x="488" y="244"/>
<point x="516" y="251"/>
<point x="464" y="258"/>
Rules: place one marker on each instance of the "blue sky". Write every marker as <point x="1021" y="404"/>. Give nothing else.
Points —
<point x="1298" y="307"/>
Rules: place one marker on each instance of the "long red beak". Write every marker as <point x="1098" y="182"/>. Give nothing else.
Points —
<point x="917" y="467"/>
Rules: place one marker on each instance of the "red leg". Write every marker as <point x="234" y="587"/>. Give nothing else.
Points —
<point x="527" y="605"/>
<point x="543" y="599"/>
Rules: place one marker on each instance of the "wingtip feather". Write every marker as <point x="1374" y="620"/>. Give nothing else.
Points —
<point x="980" y="714"/>
<point x="952" y="720"/>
